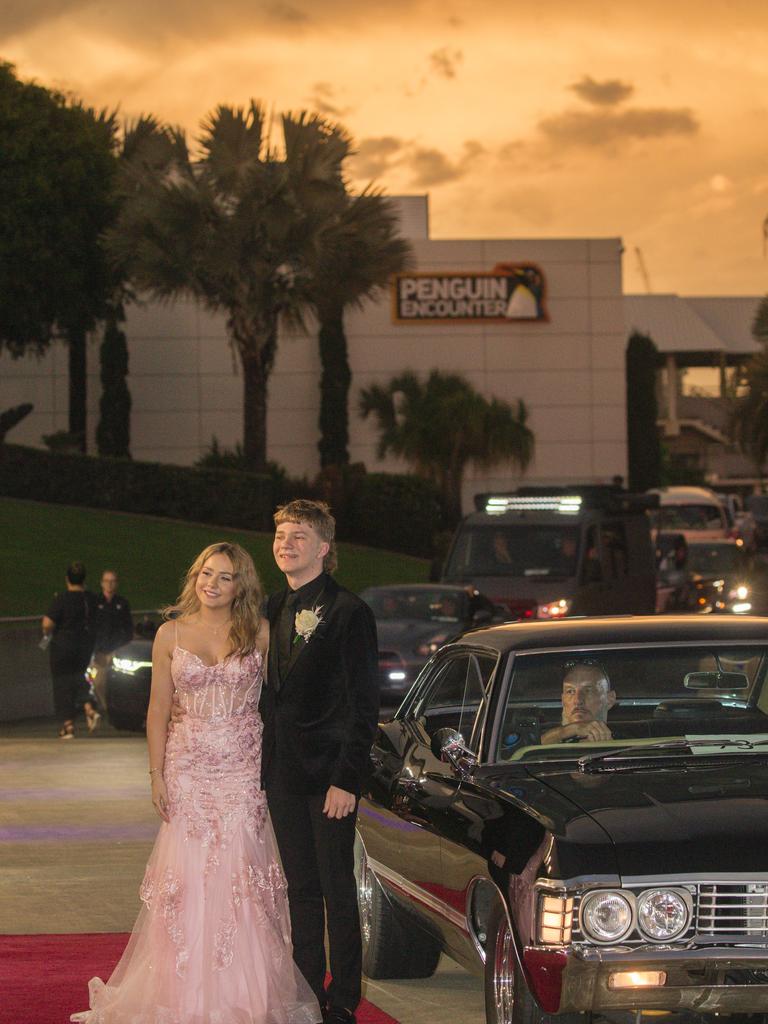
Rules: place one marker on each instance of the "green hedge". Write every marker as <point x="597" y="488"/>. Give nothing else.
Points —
<point x="397" y="512"/>
<point x="217" y="496"/>
<point x="401" y="513"/>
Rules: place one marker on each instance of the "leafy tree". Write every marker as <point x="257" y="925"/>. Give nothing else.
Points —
<point x="237" y="225"/>
<point x="361" y="250"/>
<point x="56" y="200"/>
<point x="643" y="444"/>
<point x="441" y="425"/>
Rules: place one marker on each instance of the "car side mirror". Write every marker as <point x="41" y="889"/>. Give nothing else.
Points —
<point x="448" y="746"/>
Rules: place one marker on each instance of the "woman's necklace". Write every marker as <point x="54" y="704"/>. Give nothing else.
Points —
<point x="216" y="629"/>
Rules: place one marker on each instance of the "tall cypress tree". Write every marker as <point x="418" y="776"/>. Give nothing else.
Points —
<point x="113" y="434"/>
<point x="643" y="444"/>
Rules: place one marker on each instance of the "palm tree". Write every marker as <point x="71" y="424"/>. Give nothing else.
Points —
<point x="238" y="227"/>
<point x="442" y="425"/>
<point x="361" y="250"/>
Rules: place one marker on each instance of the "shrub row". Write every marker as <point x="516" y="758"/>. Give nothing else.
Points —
<point x="397" y="512"/>
<point x="217" y="496"/>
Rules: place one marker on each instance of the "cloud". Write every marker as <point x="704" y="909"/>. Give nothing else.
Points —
<point x="444" y="62"/>
<point x="602" y="94"/>
<point x="430" y="167"/>
<point x="374" y="157"/>
<point x="594" y="129"/>
<point x="323" y="100"/>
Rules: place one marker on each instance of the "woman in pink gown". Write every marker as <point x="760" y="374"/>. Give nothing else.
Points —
<point x="212" y="942"/>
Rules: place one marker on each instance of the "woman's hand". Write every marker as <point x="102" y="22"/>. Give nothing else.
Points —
<point x="160" y="796"/>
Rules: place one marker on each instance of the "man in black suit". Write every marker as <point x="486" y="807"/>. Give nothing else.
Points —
<point x="320" y="708"/>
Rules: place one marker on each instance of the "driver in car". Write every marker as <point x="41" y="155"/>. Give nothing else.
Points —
<point x="587" y="698"/>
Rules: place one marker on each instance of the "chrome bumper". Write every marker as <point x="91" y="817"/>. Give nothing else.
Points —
<point x="707" y="979"/>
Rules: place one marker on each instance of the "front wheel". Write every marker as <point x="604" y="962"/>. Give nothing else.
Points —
<point x="507" y="998"/>
<point x="389" y="949"/>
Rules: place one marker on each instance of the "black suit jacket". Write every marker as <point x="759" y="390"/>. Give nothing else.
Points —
<point x="320" y="721"/>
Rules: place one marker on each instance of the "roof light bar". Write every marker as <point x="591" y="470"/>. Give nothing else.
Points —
<point x="564" y="504"/>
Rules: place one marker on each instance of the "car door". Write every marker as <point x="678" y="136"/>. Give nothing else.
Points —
<point x="412" y="790"/>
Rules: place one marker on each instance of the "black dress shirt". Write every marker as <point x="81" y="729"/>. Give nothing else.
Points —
<point x="307" y="596"/>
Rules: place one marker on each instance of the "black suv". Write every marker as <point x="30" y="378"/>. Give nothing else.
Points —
<point x="557" y="552"/>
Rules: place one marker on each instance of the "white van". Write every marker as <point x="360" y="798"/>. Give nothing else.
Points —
<point x="695" y="512"/>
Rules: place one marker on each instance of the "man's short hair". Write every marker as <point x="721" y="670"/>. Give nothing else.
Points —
<point x="569" y="666"/>
<point x="76" y="573"/>
<point x="317" y="515"/>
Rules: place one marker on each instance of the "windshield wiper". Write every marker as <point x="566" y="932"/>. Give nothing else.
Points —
<point x="592" y="763"/>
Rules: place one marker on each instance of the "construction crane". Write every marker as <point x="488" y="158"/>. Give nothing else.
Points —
<point x="643" y="269"/>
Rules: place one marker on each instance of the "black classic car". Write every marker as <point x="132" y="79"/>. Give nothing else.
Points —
<point x="579" y="810"/>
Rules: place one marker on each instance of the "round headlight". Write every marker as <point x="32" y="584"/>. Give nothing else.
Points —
<point x="662" y="914"/>
<point x="606" y="916"/>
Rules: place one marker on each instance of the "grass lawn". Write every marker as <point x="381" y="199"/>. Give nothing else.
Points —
<point x="150" y="555"/>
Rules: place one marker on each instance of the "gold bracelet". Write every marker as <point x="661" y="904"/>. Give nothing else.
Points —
<point x="154" y="771"/>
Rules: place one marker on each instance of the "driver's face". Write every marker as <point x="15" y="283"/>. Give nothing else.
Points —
<point x="586" y="695"/>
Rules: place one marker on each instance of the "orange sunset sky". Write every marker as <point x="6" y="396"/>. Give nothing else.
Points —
<point x="647" y="120"/>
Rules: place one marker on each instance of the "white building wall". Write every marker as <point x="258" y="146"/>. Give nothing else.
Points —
<point x="186" y="386"/>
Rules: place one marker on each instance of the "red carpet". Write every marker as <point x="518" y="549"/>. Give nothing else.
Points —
<point x="44" y="978"/>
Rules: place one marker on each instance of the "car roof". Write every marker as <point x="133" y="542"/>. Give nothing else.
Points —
<point x="632" y="630"/>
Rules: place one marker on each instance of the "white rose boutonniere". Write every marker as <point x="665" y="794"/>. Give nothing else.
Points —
<point x="306" y="622"/>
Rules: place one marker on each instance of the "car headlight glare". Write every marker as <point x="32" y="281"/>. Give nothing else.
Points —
<point x="662" y="914"/>
<point x="606" y="916"/>
<point x="740" y="593"/>
<point x="554" y="609"/>
<point x="129" y="666"/>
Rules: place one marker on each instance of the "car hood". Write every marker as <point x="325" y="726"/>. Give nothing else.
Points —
<point x="682" y="818"/>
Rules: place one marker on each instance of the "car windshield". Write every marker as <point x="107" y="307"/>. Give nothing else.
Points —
<point x="425" y="605"/>
<point x="524" y="550"/>
<point x="714" y="559"/>
<point x="688" y="517"/>
<point x="632" y="697"/>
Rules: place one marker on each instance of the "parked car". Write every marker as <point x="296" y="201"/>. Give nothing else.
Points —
<point x="128" y="683"/>
<point x="413" y="620"/>
<point x="695" y="512"/>
<point x="547" y="553"/>
<point x="726" y="578"/>
<point x="599" y="875"/>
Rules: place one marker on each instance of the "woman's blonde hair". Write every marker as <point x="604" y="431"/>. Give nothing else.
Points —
<point x="246" y="607"/>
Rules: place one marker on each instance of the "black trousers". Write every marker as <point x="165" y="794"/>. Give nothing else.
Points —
<point x="70" y="689"/>
<point x="318" y="860"/>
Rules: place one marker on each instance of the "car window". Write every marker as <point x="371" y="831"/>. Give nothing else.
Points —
<point x="524" y="550"/>
<point x="439" y="604"/>
<point x="652" y="692"/>
<point x="455" y="697"/>
<point x="613" y="540"/>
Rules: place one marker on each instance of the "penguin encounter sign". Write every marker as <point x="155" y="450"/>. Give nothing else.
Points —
<point x="509" y="292"/>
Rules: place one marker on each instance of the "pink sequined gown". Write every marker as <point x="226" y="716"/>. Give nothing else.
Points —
<point x="212" y="941"/>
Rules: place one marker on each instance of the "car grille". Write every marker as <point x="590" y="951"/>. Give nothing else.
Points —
<point x="725" y="910"/>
